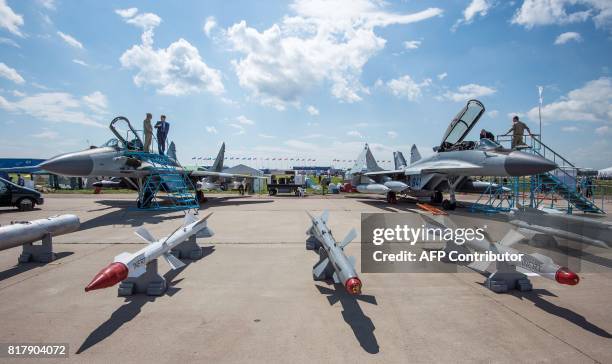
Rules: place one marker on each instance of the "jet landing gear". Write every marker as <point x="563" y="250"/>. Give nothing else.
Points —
<point x="437" y="197"/>
<point x="451" y="204"/>
<point x="447" y="205"/>
<point x="391" y="197"/>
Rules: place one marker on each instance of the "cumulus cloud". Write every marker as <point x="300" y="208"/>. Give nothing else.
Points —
<point x="546" y="12"/>
<point x="209" y="25"/>
<point x="244" y="120"/>
<point x="406" y="87"/>
<point x="9" y="20"/>
<point x="475" y="8"/>
<point x="412" y="44"/>
<point x="567" y="37"/>
<point x="469" y="91"/>
<point x="239" y="128"/>
<point x="96" y="101"/>
<point x="322" y="42"/>
<point x="59" y="107"/>
<point x="176" y="70"/>
<point x="211" y="130"/>
<point x="392" y="134"/>
<point x="442" y="76"/>
<point x="70" y="40"/>
<point x="10" y="74"/>
<point x="592" y="102"/>
<point x="312" y="110"/>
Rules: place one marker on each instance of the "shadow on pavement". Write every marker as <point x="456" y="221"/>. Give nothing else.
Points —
<point x="133" y="305"/>
<point x="24" y="267"/>
<point x="353" y="315"/>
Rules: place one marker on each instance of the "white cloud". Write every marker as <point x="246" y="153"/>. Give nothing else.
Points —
<point x="10" y="74"/>
<point x="469" y="91"/>
<point x="312" y="110"/>
<point x="568" y="36"/>
<point x="18" y="93"/>
<point x="412" y="44"/>
<point x="126" y="13"/>
<point x="211" y="130"/>
<point x="239" y="128"/>
<point x="56" y="107"/>
<point x="442" y="76"/>
<point x="266" y="136"/>
<point x="475" y="8"/>
<point x="47" y="4"/>
<point x="493" y="113"/>
<point x="322" y="42"/>
<point x="209" y="25"/>
<point x="603" y="130"/>
<point x="592" y="102"/>
<point x="176" y="70"/>
<point x="96" y="101"/>
<point x="570" y="129"/>
<point x="81" y="62"/>
<point x="406" y="87"/>
<point x="9" y="20"/>
<point x="70" y="40"/>
<point x="546" y="12"/>
<point x="244" y="120"/>
<point x="354" y="133"/>
<point x="46" y="134"/>
<point x="301" y="145"/>
<point x="392" y="134"/>
<point x="9" y="41"/>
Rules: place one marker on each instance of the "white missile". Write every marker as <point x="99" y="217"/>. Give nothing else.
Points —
<point x="373" y="188"/>
<point x="19" y="233"/>
<point x="396" y="186"/>
<point x="135" y="264"/>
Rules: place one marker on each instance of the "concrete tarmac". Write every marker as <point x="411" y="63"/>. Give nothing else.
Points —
<point x="252" y="297"/>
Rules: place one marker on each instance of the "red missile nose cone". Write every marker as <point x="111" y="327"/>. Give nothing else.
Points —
<point x="566" y="276"/>
<point x="353" y="285"/>
<point x="108" y="277"/>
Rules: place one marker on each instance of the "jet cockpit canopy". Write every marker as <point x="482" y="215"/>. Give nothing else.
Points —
<point x="461" y="125"/>
<point x="125" y="133"/>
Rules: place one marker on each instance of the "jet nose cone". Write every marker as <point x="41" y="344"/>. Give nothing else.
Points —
<point x="73" y="165"/>
<point x="524" y="164"/>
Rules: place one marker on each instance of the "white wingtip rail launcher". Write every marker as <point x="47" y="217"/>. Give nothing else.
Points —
<point x="132" y="265"/>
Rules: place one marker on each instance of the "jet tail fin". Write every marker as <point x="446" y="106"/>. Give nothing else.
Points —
<point x="172" y="151"/>
<point x="414" y="154"/>
<point x="399" y="160"/>
<point x="218" y="165"/>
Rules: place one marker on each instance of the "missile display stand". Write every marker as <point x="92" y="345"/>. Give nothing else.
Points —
<point x="38" y="253"/>
<point x="189" y="249"/>
<point x="507" y="278"/>
<point x="149" y="283"/>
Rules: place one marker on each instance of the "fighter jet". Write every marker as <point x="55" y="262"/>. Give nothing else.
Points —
<point x="453" y="162"/>
<point x="123" y="158"/>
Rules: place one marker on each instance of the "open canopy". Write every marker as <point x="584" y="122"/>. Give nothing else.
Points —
<point x="462" y="124"/>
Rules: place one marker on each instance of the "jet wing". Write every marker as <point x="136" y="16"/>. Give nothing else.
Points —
<point x="221" y="174"/>
<point x="452" y="167"/>
<point x="385" y="173"/>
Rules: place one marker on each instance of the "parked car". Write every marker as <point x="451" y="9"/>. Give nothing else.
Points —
<point x="18" y="196"/>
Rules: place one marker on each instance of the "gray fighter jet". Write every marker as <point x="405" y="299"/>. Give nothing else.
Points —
<point x="454" y="161"/>
<point x="123" y="158"/>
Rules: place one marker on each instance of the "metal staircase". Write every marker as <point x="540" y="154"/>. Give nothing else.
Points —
<point x="167" y="187"/>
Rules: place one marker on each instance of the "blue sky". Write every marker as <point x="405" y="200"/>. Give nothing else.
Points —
<point x="307" y="79"/>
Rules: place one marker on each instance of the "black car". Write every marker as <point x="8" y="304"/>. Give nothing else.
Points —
<point x="18" y="196"/>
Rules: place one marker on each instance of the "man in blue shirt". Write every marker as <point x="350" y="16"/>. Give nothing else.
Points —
<point x="162" y="127"/>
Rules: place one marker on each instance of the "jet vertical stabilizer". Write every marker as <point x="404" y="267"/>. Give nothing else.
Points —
<point x="172" y="151"/>
<point x="399" y="160"/>
<point x="218" y="165"/>
<point x="414" y="154"/>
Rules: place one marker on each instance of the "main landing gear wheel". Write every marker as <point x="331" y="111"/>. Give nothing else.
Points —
<point x="391" y="197"/>
<point x="447" y="205"/>
<point x="437" y="197"/>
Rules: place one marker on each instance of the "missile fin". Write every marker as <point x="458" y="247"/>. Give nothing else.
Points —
<point x="325" y="216"/>
<point x="335" y="277"/>
<point x="173" y="261"/>
<point x="352" y="260"/>
<point x="348" y="238"/>
<point x="145" y="235"/>
<point x="190" y="218"/>
<point x="512" y="237"/>
<point x="319" y="270"/>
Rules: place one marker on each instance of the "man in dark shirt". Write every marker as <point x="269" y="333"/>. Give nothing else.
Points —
<point x="163" y="127"/>
<point x="485" y="134"/>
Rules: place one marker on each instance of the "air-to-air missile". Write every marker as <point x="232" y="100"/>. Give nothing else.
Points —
<point x="27" y="232"/>
<point x="333" y="262"/>
<point x="372" y="188"/>
<point x="134" y="264"/>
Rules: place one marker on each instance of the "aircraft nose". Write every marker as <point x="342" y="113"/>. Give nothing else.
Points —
<point x="72" y="165"/>
<point x="524" y="164"/>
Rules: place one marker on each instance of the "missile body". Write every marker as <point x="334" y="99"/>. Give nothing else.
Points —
<point x="20" y="233"/>
<point x="536" y="263"/>
<point x="396" y="186"/>
<point x="333" y="261"/>
<point x="373" y="188"/>
<point x="134" y="264"/>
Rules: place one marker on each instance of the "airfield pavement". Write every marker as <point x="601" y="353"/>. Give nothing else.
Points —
<point x="252" y="297"/>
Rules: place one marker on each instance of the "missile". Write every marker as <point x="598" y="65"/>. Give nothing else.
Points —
<point x="333" y="262"/>
<point x="19" y="233"/>
<point x="396" y="186"/>
<point x="373" y="188"/>
<point x="135" y="264"/>
<point x="529" y="229"/>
